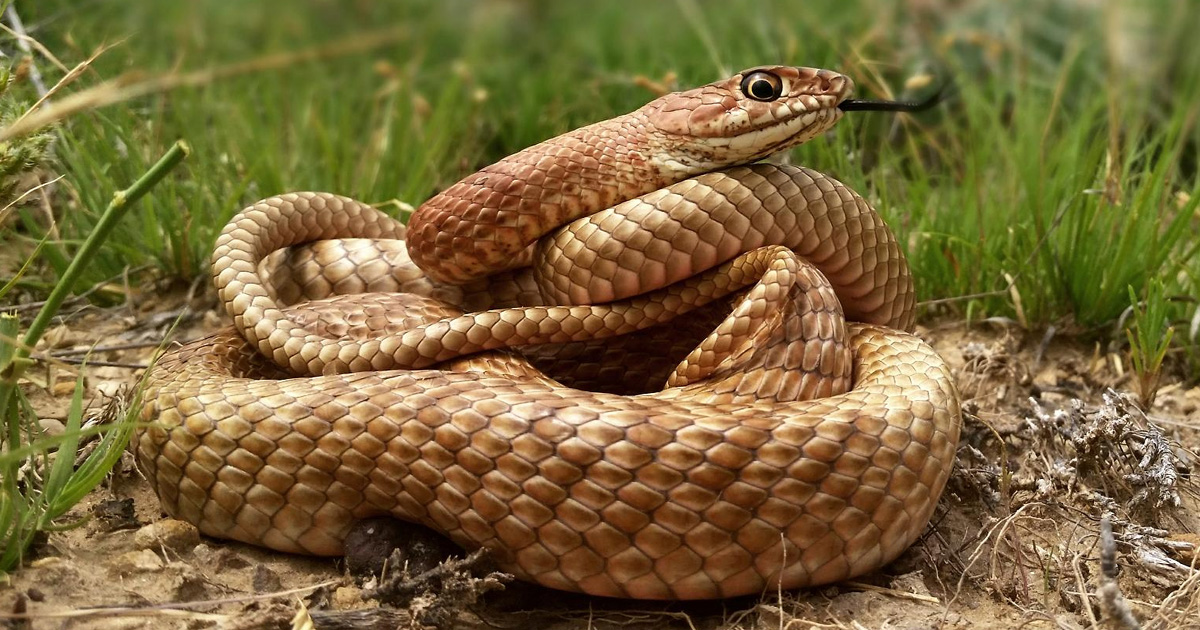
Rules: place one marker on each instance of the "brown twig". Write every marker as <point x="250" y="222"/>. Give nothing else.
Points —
<point x="1112" y="601"/>
<point x="113" y="348"/>
<point x="134" y="85"/>
<point x="92" y="363"/>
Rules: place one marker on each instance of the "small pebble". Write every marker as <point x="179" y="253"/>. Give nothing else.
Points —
<point x="170" y="533"/>
<point x="137" y="562"/>
<point x="52" y="427"/>
<point x="219" y="558"/>
<point x="64" y="387"/>
<point x="48" y="562"/>
<point x="265" y="580"/>
<point x="189" y="587"/>
<point x="115" y="514"/>
<point x="109" y="389"/>
<point x="346" y="598"/>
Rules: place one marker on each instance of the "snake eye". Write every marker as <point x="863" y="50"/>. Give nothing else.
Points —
<point x="762" y="86"/>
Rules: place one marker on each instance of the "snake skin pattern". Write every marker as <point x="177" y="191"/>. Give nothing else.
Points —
<point x="496" y="370"/>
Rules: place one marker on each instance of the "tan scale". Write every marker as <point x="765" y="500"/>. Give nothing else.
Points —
<point x="617" y="359"/>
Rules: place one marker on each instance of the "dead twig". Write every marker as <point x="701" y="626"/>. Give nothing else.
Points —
<point x="91" y="362"/>
<point x="134" y="85"/>
<point x="1112" y="602"/>
<point x="437" y="596"/>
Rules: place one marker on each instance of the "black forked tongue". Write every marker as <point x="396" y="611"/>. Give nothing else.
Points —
<point x="864" y="105"/>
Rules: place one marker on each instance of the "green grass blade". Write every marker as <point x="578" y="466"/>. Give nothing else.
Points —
<point x="25" y="267"/>
<point x="64" y="457"/>
<point x="99" y="462"/>
<point x="116" y="209"/>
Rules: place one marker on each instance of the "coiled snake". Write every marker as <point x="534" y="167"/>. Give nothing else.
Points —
<point x="492" y="375"/>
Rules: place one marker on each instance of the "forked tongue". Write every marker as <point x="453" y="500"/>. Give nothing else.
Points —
<point x="866" y="105"/>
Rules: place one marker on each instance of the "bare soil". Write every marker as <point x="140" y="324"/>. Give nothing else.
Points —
<point x="1050" y="444"/>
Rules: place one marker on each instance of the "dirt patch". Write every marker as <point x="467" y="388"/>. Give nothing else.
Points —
<point x="1050" y="446"/>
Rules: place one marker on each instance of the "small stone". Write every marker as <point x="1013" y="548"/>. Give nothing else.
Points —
<point x="220" y="558"/>
<point x="47" y="562"/>
<point x="58" y="337"/>
<point x="913" y="582"/>
<point x="36" y="595"/>
<point x="1047" y="378"/>
<point x="58" y="570"/>
<point x="1065" y="620"/>
<point x="265" y="580"/>
<point x="169" y="533"/>
<point x="109" y="389"/>
<point x="137" y="562"/>
<point x="63" y="386"/>
<point x="52" y="427"/>
<point x="115" y="514"/>
<point x="214" y="320"/>
<point x="346" y="598"/>
<point x="189" y="586"/>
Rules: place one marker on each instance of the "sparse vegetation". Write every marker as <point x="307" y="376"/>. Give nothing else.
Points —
<point x="1150" y="336"/>
<point x="37" y="488"/>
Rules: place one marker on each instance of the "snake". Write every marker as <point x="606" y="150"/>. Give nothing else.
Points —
<point x="640" y="359"/>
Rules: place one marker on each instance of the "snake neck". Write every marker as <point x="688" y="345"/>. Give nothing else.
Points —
<point x="486" y="221"/>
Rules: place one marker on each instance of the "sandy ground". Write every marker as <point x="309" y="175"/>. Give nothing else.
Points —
<point x="1015" y="542"/>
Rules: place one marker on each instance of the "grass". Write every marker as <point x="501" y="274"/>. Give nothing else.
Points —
<point x="1055" y="179"/>
<point x="36" y="488"/>
<point x="1149" y="337"/>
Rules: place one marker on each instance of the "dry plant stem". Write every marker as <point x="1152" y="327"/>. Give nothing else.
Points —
<point x="68" y="78"/>
<point x="132" y="86"/>
<point x="1081" y="584"/>
<point x="116" y="364"/>
<point x="1182" y="604"/>
<point x="7" y="209"/>
<point x="113" y="348"/>
<point x="80" y="298"/>
<point x="23" y="41"/>
<point x="995" y="531"/>
<point x="1112" y="602"/>
<point x="891" y="592"/>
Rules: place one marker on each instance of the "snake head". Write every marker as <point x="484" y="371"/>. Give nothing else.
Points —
<point x="753" y="114"/>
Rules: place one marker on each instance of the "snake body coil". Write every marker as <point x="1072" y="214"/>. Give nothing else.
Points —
<point x="491" y="376"/>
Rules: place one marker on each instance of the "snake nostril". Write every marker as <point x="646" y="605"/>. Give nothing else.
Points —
<point x="829" y="82"/>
